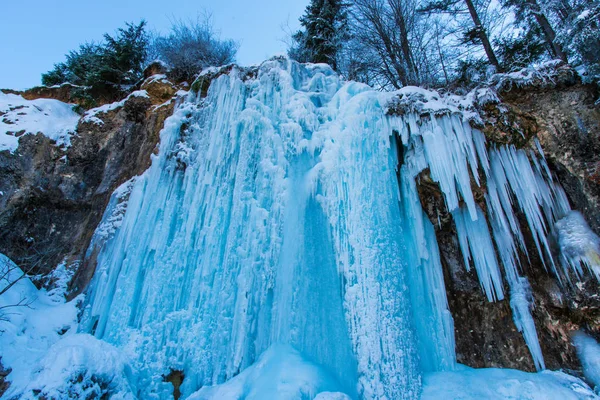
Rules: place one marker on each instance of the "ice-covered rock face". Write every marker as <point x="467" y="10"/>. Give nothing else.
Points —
<point x="282" y="208"/>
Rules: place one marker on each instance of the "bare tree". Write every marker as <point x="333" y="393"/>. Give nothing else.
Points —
<point x="192" y="46"/>
<point x="10" y="275"/>
<point x="483" y="36"/>
<point x="386" y="28"/>
<point x="476" y="30"/>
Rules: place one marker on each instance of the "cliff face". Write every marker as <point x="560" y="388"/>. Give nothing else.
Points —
<point x="53" y="197"/>
<point x="563" y="116"/>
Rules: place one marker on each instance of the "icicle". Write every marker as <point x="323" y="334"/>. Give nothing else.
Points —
<point x="476" y="245"/>
<point x="445" y="152"/>
<point x="432" y="318"/>
<point x="534" y="195"/>
<point x="520" y="303"/>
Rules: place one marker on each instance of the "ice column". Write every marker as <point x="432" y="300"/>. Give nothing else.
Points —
<point x="270" y="216"/>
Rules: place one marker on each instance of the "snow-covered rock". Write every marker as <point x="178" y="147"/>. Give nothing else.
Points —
<point x="53" y="118"/>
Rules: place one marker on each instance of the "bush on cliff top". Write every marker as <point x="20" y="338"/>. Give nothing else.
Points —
<point x="105" y="70"/>
<point x="193" y="46"/>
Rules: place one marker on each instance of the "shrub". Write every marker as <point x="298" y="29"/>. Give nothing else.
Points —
<point x="193" y="46"/>
<point x="104" y="70"/>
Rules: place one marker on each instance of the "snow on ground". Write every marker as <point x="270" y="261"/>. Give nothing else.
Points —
<point x="280" y="373"/>
<point x="18" y="116"/>
<point x="503" y="384"/>
<point x="81" y="367"/>
<point x="39" y="344"/>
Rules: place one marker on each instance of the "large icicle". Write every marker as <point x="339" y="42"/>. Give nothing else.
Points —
<point x="432" y="319"/>
<point x="520" y="292"/>
<point x="476" y="245"/>
<point x="520" y="303"/>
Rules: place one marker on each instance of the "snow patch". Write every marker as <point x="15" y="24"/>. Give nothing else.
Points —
<point x="281" y="373"/>
<point x="33" y="320"/>
<point x="579" y="245"/>
<point x="80" y="367"/>
<point x="91" y="116"/>
<point x="18" y="117"/>
<point x="543" y="74"/>
<point x="501" y="384"/>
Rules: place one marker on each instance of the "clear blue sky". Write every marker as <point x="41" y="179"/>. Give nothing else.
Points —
<point x="35" y="34"/>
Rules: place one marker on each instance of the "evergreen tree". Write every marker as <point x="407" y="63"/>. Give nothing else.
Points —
<point x="521" y="50"/>
<point x="104" y="70"/>
<point x="578" y="32"/>
<point x="124" y="55"/>
<point x="531" y="10"/>
<point x="325" y="24"/>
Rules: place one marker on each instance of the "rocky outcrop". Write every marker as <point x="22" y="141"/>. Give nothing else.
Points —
<point x="568" y="127"/>
<point x="567" y="120"/>
<point x="53" y="198"/>
<point x="563" y="116"/>
<point x="66" y="93"/>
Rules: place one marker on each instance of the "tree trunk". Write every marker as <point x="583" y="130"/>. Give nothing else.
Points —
<point x="549" y="33"/>
<point x="483" y="36"/>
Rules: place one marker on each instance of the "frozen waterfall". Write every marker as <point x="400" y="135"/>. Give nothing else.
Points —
<point x="282" y="212"/>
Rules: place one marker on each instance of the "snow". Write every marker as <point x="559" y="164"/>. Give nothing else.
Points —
<point x="579" y="245"/>
<point x="92" y="115"/>
<point x="80" y="366"/>
<point x="502" y="384"/>
<point x="30" y="328"/>
<point x="39" y="343"/>
<point x="18" y="116"/>
<point x="281" y="373"/>
<point x="162" y="78"/>
<point x="542" y="74"/>
<point x="588" y="351"/>
<point x="114" y="212"/>
<point x="583" y="15"/>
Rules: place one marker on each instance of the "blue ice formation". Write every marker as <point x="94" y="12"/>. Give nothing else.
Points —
<point x="282" y="212"/>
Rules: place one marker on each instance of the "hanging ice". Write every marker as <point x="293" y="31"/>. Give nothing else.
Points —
<point x="282" y="212"/>
<point x="579" y="245"/>
<point x="267" y="217"/>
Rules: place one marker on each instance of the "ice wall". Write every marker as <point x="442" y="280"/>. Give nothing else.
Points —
<point x="282" y="210"/>
<point x="270" y="216"/>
